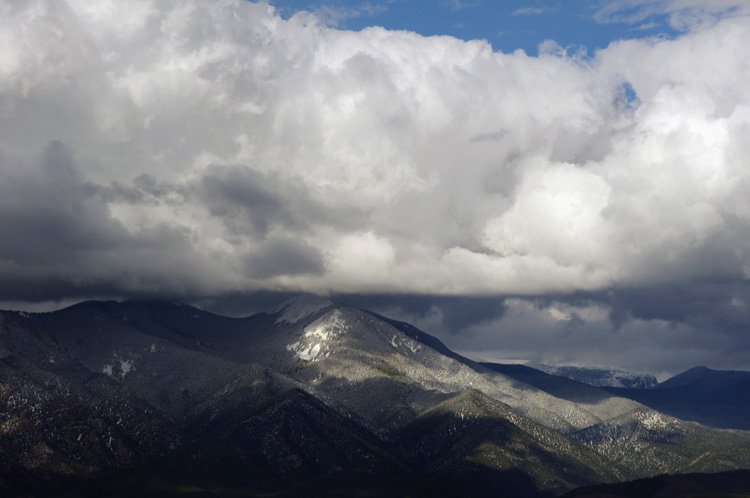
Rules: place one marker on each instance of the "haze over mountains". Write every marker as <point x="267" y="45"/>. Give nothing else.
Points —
<point x="314" y="397"/>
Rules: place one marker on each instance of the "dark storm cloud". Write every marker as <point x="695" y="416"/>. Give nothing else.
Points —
<point x="240" y="304"/>
<point x="244" y="199"/>
<point x="44" y="286"/>
<point x="253" y="203"/>
<point x="440" y="315"/>
<point x="283" y="256"/>
<point x="60" y="240"/>
<point x="661" y="330"/>
<point x="715" y="307"/>
<point x="48" y="216"/>
<point x="144" y="189"/>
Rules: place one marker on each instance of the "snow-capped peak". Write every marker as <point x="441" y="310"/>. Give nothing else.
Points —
<point x="300" y="307"/>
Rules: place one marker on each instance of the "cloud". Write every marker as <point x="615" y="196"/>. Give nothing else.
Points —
<point x="48" y="215"/>
<point x="285" y="256"/>
<point x="532" y="11"/>
<point x="203" y="149"/>
<point x="335" y="15"/>
<point x="660" y="330"/>
<point x="459" y="5"/>
<point x="646" y="27"/>
<point x="683" y="15"/>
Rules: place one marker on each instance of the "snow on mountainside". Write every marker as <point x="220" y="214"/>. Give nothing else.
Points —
<point x="319" y="336"/>
<point x="601" y="377"/>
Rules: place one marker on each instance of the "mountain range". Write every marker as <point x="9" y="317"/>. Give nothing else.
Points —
<point x="315" y="398"/>
<point x="601" y="377"/>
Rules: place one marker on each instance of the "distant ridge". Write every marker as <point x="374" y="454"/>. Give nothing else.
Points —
<point x="716" y="398"/>
<point x="601" y="377"/>
<point x="692" y="376"/>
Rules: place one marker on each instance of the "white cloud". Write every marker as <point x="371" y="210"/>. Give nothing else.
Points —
<point x="334" y="15"/>
<point x="386" y="161"/>
<point x="532" y="11"/>
<point x="459" y="5"/>
<point x="683" y="15"/>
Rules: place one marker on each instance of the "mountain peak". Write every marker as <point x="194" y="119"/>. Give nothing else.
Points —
<point x="689" y="376"/>
<point x="300" y="307"/>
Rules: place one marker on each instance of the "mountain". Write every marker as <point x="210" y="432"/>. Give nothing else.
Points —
<point x="716" y="398"/>
<point x="638" y="438"/>
<point x="557" y="385"/>
<point x="312" y="398"/>
<point x="602" y="377"/>
<point x="715" y="384"/>
<point x="470" y="433"/>
<point x="735" y="484"/>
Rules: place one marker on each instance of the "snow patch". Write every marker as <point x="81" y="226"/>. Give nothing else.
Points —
<point x="310" y="353"/>
<point x="653" y="420"/>
<point x="119" y="366"/>
<point x="319" y="338"/>
<point x="125" y="367"/>
<point x="406" y="343"/>
<point x="300" y="307"/>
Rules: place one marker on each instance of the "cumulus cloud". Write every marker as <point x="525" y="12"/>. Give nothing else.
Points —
<point x="205" y="148"/>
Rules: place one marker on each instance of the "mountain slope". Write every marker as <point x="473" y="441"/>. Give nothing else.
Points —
<point x="306" y="399"/>
<point x="602" y="377"/>
<point x="351" y="356"/>
<point x="724" y="485"/>
<point x="556" y="385"/>
<point x="717" y="398"/>
<point x="60" y="422"/>
<point x="470" y="433"/>
<point x="642" y="440"/>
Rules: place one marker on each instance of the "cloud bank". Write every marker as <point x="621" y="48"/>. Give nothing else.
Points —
<point x="199" y="148"/>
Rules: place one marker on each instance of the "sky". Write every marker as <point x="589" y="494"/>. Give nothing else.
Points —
<point x="556" y="181"/>
<point x="507" y="25"/>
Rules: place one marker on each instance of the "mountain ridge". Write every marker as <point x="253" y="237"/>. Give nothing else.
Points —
<point x="352" y="378"/>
